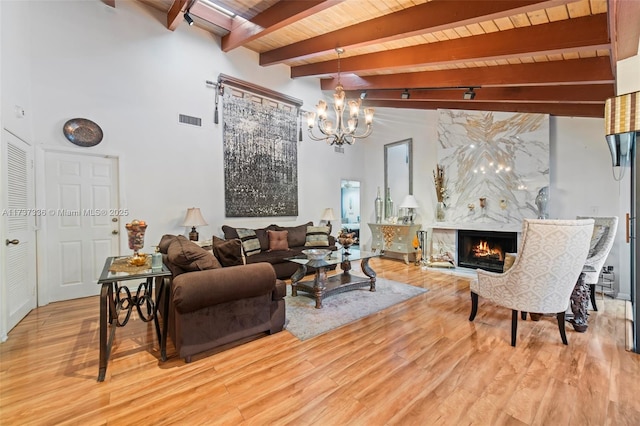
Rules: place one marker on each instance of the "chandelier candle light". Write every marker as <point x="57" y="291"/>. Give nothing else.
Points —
<point x="341" y="134"/>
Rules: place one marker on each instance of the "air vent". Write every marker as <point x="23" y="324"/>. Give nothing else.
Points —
<point x="338" y="149"/>
<point x="187" y="119"/>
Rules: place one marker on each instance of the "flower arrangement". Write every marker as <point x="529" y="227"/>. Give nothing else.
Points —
<point x="439" y="181"/>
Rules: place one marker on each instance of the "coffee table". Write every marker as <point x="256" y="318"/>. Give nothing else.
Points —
<point x="323" y="286"/>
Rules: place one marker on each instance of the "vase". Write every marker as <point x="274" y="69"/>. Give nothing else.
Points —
<point x="388" y="205"/>
<point x="379" y="207"/>
<point x="440" y="211"/>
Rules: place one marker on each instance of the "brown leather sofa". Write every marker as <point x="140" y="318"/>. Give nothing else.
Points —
<point x="211" y="305"/>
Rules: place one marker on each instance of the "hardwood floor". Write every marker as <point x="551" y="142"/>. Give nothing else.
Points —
<point x="420" y="362"/>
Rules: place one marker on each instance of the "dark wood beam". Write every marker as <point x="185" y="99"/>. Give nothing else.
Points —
<point x="625" y="28"/>
<point x="436" y="15"/>
<point x="111" y="3"/>
<point x="274" y="18"/>
<point x="574" y="71"/>
<point x="588" y="33"/>
<point x="585" y="94"/>
<point x="175" y="14"/>
<point x="569" y="110"/>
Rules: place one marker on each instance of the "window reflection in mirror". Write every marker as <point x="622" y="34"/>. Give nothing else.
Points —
<point x="350" y="210"/>
<point x="398" y="175"/>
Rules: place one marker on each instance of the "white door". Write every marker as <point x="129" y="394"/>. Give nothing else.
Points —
<point x="82" y="223"/>
<point x="18" y="219"/>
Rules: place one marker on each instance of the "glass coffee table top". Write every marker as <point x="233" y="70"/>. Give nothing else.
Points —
<point x="334" y="258"/>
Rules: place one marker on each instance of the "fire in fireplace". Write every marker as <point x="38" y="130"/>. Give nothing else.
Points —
<point x="485" y="249"/>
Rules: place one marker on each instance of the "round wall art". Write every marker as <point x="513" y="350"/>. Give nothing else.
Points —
<point x="82" y="132"/>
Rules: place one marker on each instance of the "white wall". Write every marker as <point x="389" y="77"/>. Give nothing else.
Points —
<point x="123" y="69"/>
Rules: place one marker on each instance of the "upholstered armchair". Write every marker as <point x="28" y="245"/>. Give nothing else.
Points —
<point x="604" y="234"/>
<point x="551" y="257"/>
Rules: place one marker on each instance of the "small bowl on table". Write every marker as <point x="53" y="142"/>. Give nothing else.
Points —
<point x="316" y="254"/>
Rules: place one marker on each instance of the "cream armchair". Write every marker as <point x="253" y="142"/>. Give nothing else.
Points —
<point x="604" y="234"/>
<point x="551" y="257"/>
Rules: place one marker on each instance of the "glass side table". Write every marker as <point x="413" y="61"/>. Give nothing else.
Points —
<point x="116" y="298"/>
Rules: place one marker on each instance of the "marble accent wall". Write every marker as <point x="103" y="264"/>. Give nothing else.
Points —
<point x="498" y="156"/>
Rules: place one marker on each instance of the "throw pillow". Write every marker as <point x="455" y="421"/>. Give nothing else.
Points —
<point x="317" y="236"/>
<point x="189" y="256"/>
<point x="250" y="242"/>
<point x="297" y="234"/>
<point x="596" y="237"/>
<point x="278" y="240"/>
<point x="228" y="252"/>
<point x="165" y="241"/>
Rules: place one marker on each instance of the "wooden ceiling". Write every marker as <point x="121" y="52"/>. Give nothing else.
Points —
<point x="554" y="57"/>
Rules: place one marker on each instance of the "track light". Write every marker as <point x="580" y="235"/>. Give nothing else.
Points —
<point x="405" y="94"/>
<point x="363" y="95"/>
<point x="469" y="94"/>
<point x="188" y="18"/>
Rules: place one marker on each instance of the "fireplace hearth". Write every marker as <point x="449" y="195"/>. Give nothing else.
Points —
<point x="485" y="249"/>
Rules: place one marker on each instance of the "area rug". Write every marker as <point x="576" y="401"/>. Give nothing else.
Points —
<point x="305" y="321"/>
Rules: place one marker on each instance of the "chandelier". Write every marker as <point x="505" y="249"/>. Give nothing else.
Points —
<point x="341" y="134"/>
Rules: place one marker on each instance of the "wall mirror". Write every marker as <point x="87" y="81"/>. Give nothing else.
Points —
<point x="398" y="175"/>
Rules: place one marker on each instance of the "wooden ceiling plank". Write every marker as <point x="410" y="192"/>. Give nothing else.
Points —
<point x="175" y="14"/>
<point x="577" y="71"/>
<point x="580" y="34"/>
<point x="569" y="110"/>
<point x="436" y="15"/>
<point x="276" y="17"/>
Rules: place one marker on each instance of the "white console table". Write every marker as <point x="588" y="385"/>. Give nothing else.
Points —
<point x="393" y="239"/>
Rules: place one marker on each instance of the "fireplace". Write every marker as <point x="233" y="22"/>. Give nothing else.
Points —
<point x="485" y="249"/>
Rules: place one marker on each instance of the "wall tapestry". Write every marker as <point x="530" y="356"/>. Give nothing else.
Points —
<point x="260" y="156"/>
<point x="495" y="164"/>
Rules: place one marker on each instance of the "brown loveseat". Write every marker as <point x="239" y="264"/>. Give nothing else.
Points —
<point x="211" y="305"/>
<point x="258" y="244"/>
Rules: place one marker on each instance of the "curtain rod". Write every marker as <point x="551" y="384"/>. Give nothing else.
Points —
<point x="259" y="90"/>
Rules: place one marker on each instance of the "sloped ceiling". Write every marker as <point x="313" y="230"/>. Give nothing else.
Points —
<point x="556" y="57"/>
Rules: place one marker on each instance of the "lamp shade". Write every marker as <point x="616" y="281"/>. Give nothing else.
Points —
<point x="194" y="218"/>
<point x="409" y="202"/>
<point x="328" y="215"/>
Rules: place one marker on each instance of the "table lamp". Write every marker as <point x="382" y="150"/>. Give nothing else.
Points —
<point x="328" y="216"/>
<point x="194" y="218"/>
<point x="410" y="203"/>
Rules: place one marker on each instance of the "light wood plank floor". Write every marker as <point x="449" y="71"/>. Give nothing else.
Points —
<point x="417" y="363"/>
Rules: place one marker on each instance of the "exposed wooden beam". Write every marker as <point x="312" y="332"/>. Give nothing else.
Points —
<point x="436" y="15"/>
<point x="588" y="33"/>
<point x="111" y="3"/>
<point x="625" y="28"/>
<point x="274" y="18"/>
<point x="575" y="71"/>
<point x="175" y="14"/>
<point x="211" y="15"/>
<point x="569" y="110"/>
<point x="585" y="94"/>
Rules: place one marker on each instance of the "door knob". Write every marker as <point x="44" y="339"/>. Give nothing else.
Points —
<point x="114" y="232"/>
<point x="7" y="242"/>
<point x="114" y="219"/>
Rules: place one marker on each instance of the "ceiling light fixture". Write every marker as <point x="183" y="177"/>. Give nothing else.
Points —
<point x="469" y="94"/>
<point x="188" y="18"/>
<point x="405" y="94"/>
<point x="341" y="134"/>
<point x="363" y="95"/>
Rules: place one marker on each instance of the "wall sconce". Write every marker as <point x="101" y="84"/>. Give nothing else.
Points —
<point x="622" y="122"/>
<point x="194" y="218"/>
<point x="405" y="94"/>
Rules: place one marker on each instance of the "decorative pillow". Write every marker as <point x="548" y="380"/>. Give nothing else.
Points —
<point x="596" y="237"/>
<point x="250" y="242"/>
<point x="317" y="236"/>
<point x="278" y="240"/>
<point x="165" y="241"/>
<point x="228" y="252"/>
<point x="189" y="256"/>
<point x="297" y="234"/>
<point x="509" y="259"/>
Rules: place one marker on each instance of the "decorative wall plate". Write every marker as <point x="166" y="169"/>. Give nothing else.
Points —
<point x="82" y="132"/>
